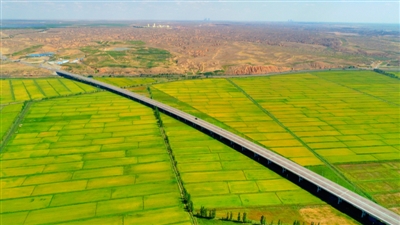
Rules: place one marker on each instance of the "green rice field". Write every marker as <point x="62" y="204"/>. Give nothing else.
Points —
<point x="19" y="90"/>
<point x="81" y="156"/>
<point x="9" y="114"/>
<point x="323" y="120"/>
<point x="217" y="176"/>
<point x="90" y="159"/>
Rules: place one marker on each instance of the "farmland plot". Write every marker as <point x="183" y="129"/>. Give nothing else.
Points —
<point x="90" y="159"/>
<point x="8" y="115"/>
<point x="18" y="90"/>
<point x="217" y="176"/>
<point x="320" y="121"/>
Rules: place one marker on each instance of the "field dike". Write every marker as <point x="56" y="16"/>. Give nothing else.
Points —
<point x="343" y="181"/>
<point x="184" y="194"/>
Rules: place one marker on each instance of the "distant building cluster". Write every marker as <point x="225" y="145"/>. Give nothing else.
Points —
<point x="158" y="26"/>
<point x="61" y="61"/>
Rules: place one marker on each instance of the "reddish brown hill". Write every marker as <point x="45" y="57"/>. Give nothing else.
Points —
<point x="248" y="69"/>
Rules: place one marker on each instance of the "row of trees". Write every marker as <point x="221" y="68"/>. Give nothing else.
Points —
<point x="386" y="73"/>
<point x="229" y="217"/>
<point x="207" y="213"/>
<point x="186" y="196"/>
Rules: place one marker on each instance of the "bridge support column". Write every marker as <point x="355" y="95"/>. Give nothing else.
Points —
<point x="255" y="155"/>
<point x="283" y="170"/>
<point x="339" y="200"/>
<point x="242" y="149"/>
<point x="362" y="214"/>
<point x="300" y="179"/>
<point x="318" y="189"/>
<point x="268" y="162"/>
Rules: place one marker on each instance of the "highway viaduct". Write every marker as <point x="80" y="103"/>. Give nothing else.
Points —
<point x="358" y="207"/>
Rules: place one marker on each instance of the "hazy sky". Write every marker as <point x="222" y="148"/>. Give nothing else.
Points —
<point x="232" y="10"/>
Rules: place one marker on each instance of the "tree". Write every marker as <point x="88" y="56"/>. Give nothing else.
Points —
<point x="231" y="216"/>
<point x="187" y="197"/>
<point x="262" y="220"/>
<point x="213" y="213"/>
<point x="203" y="212"/>
<point x="244" y="217"/>
<point x="190" y="206"/>
<point x="227" y="216"/>
<point x="238" y="218"/>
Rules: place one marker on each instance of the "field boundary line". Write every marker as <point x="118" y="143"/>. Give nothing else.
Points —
<point x="171" y="159"/>
<point x="373" y="96"/>
<point x="29" y="94"/>
<point x="15" y="125"/>
<point x="302" y="142"/>
<point x="53" y="87"/>
<point x="62" y="83"/>
<point x="11" y="90"/>
<point x="38" y="87"/>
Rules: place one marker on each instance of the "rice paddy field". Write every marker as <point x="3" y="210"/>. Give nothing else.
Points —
<point x="80" y="156"/>
<point x="19" y="90"/>
<point x="8" y="115"/>
<point x="331" y="122"/>
<point x="217" y="176"/>
<point x="90" y="159"/>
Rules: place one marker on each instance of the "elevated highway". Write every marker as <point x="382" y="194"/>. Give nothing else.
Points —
<point x="361" y="208"/>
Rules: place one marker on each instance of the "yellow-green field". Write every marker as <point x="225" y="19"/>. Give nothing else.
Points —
<point x="8" y="115"/>
<point x="318" y="120"/>
<point x="98" y="158"/>
<point x="19" y="90"/>
<point x="91" y="159"/>
<point x="217" y="176"/>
